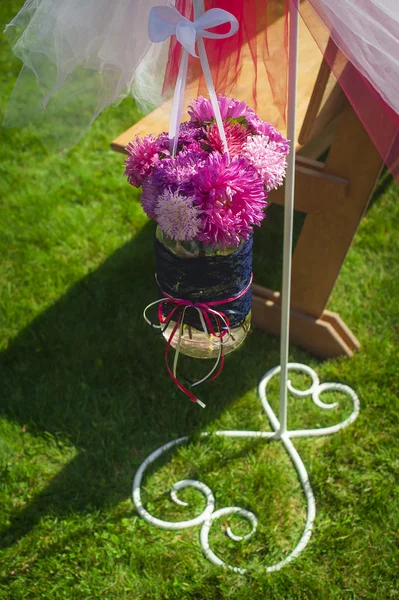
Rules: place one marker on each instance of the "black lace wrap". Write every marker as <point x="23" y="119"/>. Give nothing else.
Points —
<point x="207" y="279"/>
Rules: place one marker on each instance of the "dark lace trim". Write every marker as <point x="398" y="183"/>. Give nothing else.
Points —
<point x="206" y="279"/>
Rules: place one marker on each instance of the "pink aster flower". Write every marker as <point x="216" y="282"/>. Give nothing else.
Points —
<point x="149" y="197"/>
<point x="144" y="155"/>
<point x="259" y="127"/>
<point x="201" y="109"/>
<point x="177" y="216"/>
<point x="236" y="136"/>
<point x="231" y="197"/>
<point x="267" y="158"/>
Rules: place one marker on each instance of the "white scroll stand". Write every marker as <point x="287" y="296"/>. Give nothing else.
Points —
<point x="279" y="425"/>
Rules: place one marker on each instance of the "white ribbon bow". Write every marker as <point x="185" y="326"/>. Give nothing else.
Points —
<point x="165" y="21"/>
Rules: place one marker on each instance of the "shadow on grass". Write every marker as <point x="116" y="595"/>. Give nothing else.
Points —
<point x="90" y="371"/>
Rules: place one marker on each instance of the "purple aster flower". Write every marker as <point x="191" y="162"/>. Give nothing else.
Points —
<point x="144" y="155"/>
<point x="231" y="198"/>
<point x="163" y="140"/>
<point x="201" y="109"/>
<point x="267" y="158"/>
<point x="195" y="148"/>
<point x="176" y="173"/>
<point x="190" y="132"/>
<point x="149" y="197"/>
<point x="177" y="216"/>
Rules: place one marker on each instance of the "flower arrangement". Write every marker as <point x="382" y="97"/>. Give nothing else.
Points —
<point x="202" y="193"/>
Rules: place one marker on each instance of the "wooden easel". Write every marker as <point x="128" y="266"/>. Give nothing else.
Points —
<point x="334" y="194"/>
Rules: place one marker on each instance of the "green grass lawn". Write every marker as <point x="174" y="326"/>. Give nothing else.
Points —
<point x="85" y="398"/>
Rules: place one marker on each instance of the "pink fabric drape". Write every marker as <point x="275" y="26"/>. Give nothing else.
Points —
<point x="363" y="54"/>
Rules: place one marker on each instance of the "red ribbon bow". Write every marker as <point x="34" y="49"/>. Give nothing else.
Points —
<point x="205" y="311"/>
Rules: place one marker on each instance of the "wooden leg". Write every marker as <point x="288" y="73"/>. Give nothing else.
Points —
<point x="333" y="215"/>
<point x="326" y="337"/>
<point x="327" y="234"/>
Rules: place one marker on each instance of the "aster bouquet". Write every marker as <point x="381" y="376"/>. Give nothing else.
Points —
<point x="201" y="194"/>
<point x="206" y="196"/>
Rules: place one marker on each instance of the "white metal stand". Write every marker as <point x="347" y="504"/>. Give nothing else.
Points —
<point x="279" y="425"/>
<point x="209" y="514"/>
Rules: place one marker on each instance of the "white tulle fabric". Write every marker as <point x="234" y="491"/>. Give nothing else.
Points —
<point x="80" y="56"/>
<point x="367" y="32"/>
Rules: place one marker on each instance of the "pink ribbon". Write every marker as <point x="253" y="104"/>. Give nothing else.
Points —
<point x="221" y="333"/>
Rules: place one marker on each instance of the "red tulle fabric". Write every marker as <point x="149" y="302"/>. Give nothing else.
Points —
<point x="266" y="52"/>
<point x="226" y="56"/>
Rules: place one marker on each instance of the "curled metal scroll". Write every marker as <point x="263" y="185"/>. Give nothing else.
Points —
<point x="207" y="517"/>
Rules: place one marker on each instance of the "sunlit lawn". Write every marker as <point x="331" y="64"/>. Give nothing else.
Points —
<point x="85" y="398"/>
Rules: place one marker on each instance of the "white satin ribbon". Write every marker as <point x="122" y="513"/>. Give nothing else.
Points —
<point x="165" y="21"/>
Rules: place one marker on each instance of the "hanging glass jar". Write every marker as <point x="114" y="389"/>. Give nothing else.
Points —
<point x="218" y="278"/>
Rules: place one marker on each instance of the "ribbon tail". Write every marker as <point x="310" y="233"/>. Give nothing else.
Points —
<point x="177" y="349"/>
<point x="221" y="363"/>
<point x="177" y="104"/>
<point x="181" y="387"/>
<point x="212" y="92"/>
<point x="218" y="363"/>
